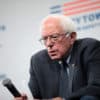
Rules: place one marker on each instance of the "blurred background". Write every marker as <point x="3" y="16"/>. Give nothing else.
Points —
<point x="19" y="33"/>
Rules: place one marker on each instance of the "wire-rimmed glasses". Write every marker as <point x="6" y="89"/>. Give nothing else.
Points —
<point x="53" y="38"/>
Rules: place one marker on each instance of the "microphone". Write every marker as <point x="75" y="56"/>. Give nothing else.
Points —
<point x="10" y="86"/>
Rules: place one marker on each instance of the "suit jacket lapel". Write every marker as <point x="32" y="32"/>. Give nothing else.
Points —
<point x="73" y="68"/>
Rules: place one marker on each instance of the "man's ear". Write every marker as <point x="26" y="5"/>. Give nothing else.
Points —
<point x="73" y="37"/>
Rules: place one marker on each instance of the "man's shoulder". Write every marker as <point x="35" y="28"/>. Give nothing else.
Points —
<point x="87" y="41"/>
<point x="86" y="44"/>
<point x="40" y="55"/>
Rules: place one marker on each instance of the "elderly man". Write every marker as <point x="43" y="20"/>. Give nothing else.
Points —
<point x="68" y="68"/>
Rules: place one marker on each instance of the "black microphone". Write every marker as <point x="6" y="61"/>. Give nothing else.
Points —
<point x="9" y="85"/>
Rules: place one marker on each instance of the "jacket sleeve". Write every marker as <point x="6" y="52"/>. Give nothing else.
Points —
<point x="33" y="82"/>
<point x="93" y="74"/>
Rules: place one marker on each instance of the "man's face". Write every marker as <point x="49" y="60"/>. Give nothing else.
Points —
<point x="55" y="40"/>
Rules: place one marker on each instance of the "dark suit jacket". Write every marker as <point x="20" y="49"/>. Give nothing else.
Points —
<point x="85" y="78"/>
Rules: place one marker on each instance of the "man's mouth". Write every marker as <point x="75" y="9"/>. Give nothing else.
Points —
<point x="52" y="53"/>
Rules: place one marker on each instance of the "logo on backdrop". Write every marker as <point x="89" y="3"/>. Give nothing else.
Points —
<point x="2" y="28"/>
<point x="85" y="13"/>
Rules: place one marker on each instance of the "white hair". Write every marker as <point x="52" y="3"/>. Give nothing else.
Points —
<point x="66" y="23"/>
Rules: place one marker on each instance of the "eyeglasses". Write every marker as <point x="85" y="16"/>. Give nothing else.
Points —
<point x="53" y="38"/>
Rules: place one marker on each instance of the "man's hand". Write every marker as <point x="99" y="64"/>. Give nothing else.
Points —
<point x="23" y="97"/>
<point x="57" y="98"/>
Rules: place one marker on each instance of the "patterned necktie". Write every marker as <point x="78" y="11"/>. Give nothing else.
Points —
<point x="63" y="90"/>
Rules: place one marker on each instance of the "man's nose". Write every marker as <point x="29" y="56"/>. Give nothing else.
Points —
<point x="49" y="42"/>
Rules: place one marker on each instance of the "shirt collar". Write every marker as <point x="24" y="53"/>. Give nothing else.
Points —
<point x="67" y="56"/>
